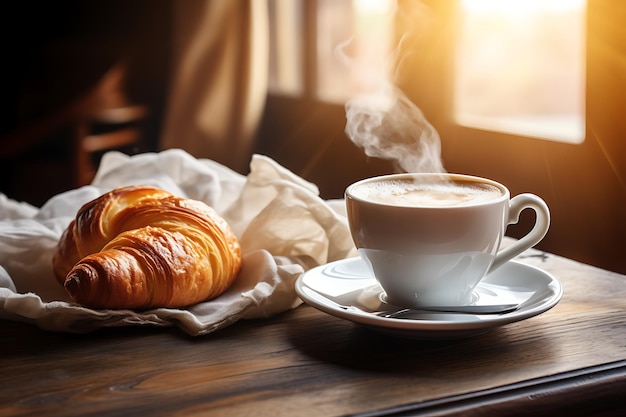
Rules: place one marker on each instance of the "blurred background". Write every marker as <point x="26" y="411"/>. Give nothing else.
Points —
<point x="526" y="92"/>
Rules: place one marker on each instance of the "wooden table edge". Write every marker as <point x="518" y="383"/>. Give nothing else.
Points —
<point x="584" y="391"/>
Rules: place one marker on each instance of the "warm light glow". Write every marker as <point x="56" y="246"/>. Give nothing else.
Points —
<point x="379" y="7"/>
<point x="285" y="72"/>
<point x="519" y="8"/>
<point x="353" y="47"/>
<point x="520" y="67"/>
<point x="353" y="40"/>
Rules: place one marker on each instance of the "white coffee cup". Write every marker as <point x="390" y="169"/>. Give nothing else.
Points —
<point x="431" y="238"/>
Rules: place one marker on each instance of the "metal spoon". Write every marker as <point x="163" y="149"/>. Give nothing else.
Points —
<point x="466" y="309"/>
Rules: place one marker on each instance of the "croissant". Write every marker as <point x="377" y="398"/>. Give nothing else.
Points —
<point x="140" y="247"/>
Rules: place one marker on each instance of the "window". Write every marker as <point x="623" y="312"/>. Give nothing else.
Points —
<point x="351" y="40"/>
<point x="286" y="73"/>
<point x="354" y="40"/>
<point x="519" y="67"/>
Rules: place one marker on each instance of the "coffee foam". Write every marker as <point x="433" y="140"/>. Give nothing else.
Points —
<point x="441" y="194"/>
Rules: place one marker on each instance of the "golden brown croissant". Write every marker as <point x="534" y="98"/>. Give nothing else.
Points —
<point x="140" y="247"/>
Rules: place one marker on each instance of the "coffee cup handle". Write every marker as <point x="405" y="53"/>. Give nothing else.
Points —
<point x="539" y="230"/>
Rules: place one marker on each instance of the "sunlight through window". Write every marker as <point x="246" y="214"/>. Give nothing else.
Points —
<point x="353" y="47"/>
<point x="286" y="55"/>
<point x="520" y="68"/>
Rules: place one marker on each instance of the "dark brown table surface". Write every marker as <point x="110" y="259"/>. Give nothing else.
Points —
<point x="570" y="360"/>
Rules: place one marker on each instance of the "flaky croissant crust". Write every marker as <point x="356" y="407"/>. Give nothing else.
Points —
<point x="140" y="247"/>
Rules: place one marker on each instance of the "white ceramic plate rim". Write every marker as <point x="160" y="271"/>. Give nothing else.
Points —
<point x="548" y="292"/>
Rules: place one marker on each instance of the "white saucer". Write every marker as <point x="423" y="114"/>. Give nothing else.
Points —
<point x="347" y="289"/>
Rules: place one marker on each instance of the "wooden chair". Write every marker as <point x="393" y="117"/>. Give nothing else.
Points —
<point x="99" y="120"/>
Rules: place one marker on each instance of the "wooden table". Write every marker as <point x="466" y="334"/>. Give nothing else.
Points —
<point x="571" y="359"/>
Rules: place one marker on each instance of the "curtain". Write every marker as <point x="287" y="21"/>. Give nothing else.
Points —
<point x="219" y="79"/>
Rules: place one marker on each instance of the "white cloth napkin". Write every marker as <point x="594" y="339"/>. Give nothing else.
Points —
<point x="283" y="225"/>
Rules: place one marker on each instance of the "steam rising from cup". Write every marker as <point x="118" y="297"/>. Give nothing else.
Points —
<point x="389" y="126"/>
<point x="383" y="121"/>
